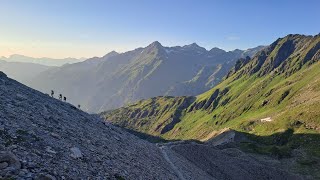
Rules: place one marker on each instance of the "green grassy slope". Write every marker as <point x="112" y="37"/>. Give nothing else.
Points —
<point x="273" y="97"/>
<point x="153" y="116"/>
<point x="280" y="82"/>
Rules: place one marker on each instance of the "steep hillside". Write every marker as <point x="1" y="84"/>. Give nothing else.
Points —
<point x="283" y="75"/>
<point x="22" y="72"/>
<point x="117" y="79"/>
<point x="44" y="138"/>
<point x="275" y="91"/>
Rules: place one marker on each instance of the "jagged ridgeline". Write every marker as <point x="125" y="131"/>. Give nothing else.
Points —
<point x="110" y="82"/>
<point x="276" y="90"/>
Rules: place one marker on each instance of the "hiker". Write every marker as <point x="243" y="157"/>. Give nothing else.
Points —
<point x="60" y="96"/>
<point x="52" y="93"/>
<point x="64" y="98"/>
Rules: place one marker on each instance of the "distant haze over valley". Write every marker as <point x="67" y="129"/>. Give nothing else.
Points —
<point x="111" y="81"/>
<point x="43" y="61"/>
<point x="116" y="79"/>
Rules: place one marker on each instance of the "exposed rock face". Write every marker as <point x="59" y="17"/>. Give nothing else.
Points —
<point x="286" y="54"/>
<point x="44" y="138"/>
<point x="154" y="111"/>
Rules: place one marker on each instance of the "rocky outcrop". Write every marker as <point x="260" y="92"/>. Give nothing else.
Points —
<point x="312" y="53"/>
<point x="9" y="161"/>
<point x="286" y="55"/>
<point x="158" y="117"/>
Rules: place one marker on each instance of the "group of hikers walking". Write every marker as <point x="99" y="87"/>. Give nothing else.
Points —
<point x="60" y="97"/>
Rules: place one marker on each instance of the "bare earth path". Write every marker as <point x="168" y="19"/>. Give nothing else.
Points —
<point x="166" y="157"/>
<point x="191" y="160"/>
<point x="182" y="167"/>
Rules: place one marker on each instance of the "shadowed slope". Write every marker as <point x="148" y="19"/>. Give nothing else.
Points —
<point x="44" y="137"/>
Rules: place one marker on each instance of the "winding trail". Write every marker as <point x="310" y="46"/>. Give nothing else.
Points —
<point x="175" y="168"/>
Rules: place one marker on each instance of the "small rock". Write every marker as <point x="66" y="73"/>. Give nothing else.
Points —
<point x="11" y="160"/>
<point x="3" y="165"/>
<point x="50" y="150"/>
<point x="55" y="135"/>
<point x="297" y="123"/>
<point x="31" y="165"/>
<point x="21" y="97"/>
<point x="23" y="172"/>
<point x="117" y="138"/>
<point x="29" y="175"/>
<point x="109" y="162"/>
<point x="265" y="102"/>
<point x="45" y="177"/>
<point x="76" y="153"/>
<point x="12" y="147"/>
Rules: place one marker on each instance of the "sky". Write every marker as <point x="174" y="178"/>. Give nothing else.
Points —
<point x="87" y="28"/>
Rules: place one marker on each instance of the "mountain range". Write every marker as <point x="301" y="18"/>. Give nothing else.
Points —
<point x="258" y="120"/>
<point x="273" y="96"/>
<point x="43" y="61"/>
<point x="45" y="138"/>
<point x="22" y="71"/>
<point x="116" y="79"/>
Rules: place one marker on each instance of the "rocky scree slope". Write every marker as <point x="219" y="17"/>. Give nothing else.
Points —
<point x="224" y="162"/>
<point x="274" y="97"/>
<point x="44" y="138"/>
<point x="116" y="79"/>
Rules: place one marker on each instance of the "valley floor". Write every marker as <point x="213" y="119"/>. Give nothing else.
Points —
<point x="221" y="158"/>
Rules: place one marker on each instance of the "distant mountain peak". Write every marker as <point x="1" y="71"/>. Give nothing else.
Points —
<point x="113" y="52"/>
<point x="217" y="50"/>
<point x="110" y="54"/>
<point x="18" y="56"/>
<point x="156" y="44"/>
<point x="195" y="46"/>
<point x="237" y="51"/>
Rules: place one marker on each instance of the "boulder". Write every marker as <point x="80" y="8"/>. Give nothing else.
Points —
<point x="76" y="153"/>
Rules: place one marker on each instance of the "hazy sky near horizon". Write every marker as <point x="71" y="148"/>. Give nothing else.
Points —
<point x="86" y="28"/>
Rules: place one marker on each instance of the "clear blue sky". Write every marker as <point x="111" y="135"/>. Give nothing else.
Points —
<point x="77" y="28"/>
